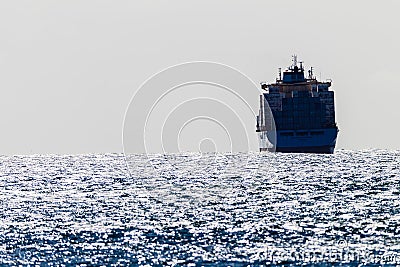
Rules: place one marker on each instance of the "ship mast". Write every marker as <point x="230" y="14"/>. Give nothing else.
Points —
<point x="294" y="60"/>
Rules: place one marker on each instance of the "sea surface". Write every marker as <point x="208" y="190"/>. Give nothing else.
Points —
<point x="208" y="210"/>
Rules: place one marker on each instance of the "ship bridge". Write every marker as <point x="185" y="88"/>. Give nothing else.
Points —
<point x="293" y="74"/>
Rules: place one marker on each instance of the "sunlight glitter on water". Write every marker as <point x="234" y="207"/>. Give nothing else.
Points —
<point x="87" y="209"/>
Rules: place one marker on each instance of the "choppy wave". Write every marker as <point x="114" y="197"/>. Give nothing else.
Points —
<point x="277" y="209"/>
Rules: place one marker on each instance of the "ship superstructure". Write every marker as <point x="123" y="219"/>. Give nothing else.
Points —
<point x="303" y="111"/>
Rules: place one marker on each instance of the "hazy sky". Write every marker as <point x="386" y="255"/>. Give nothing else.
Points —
<point x="68" y="69"/>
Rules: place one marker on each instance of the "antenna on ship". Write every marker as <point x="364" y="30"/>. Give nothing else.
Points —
<point x="294" y="60"/>
<point x="280" y="74"/>
<point x="301" y="66"/>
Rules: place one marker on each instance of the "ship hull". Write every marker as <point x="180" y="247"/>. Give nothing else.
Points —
<point x="302" y="141"/>
<point x="304" y="149"/>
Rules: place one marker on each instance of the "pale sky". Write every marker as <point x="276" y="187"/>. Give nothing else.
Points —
<point x="68" y="69"/>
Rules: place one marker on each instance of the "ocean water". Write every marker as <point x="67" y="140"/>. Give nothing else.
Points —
<point x="232" y="210"/>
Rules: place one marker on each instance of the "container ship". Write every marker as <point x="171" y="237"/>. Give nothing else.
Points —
<point x="301" y="113"/>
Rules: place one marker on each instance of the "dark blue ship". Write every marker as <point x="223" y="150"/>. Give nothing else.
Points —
<point x="301" y="113"/>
